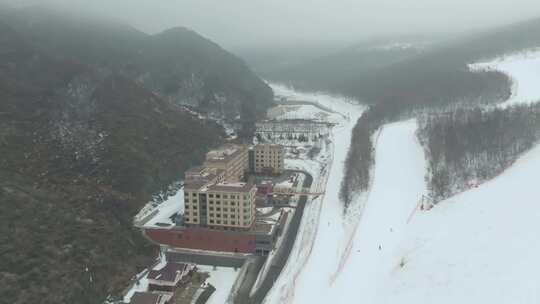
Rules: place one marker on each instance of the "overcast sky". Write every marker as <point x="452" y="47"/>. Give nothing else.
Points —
<point x="246" y="23"/>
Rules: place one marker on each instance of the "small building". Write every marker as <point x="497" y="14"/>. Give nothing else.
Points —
<point x="168" y="278"/>
<point x="204" y="174"/>
<point x="267" y="159"/>
<point x="150" y="298"/>
<point x="232" y="159"/>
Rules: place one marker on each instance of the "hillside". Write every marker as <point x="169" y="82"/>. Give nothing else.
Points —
<point x="82" y="148"/>
<point x="177" y="64"/>
<point x="477" y="247"/>
<point x="438" y="73"/>
<point x="438" y="79"/>
<point x="328" y="71"/>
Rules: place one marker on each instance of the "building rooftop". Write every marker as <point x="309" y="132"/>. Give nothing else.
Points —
<point x="169" y="273"/>
<point x="262" y="228"/>
<point x="194" y="184"/>
<point x="231" y="187"/>
<point x="224" y="153"/>
<point x="146" y="298"/>
<point x="267" y="145"/>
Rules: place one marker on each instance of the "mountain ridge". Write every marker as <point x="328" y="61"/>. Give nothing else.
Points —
<point x="83" y="146"/>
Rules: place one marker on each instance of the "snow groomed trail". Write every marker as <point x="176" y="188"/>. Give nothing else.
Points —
<point x="397" y="186"/>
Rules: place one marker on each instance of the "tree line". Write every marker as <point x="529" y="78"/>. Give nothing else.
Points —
<point x="360" y="159"/>
<point x="466" y="147"/>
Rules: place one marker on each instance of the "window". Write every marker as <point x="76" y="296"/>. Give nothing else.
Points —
<point x="211" y="195"/>
<point x="195" y="207"/>
<point x="194" y="213"/>
<point x="225" y="209"/>
<point x="211" y="221"/>
<point x="225" y="215"/>
<point x="211" y="208"/>
<point x="218" y="209"/>
<point x="218" y="215"/>
<point x="218" y="195"/>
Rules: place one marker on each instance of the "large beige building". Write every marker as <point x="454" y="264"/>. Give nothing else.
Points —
<point x="209" y="201"/>
<point x="267" y="158"/>
<point x="214" y="195"/>
<point x="233" y="159"/>
<point x="220" y="205"/>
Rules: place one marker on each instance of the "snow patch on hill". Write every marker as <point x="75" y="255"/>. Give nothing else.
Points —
<point x="524" y="70"/>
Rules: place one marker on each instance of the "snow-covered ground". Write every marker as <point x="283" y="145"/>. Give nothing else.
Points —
<point x="478" y="247"/>
<point x="298" y="112"/>
<point x="346" y="263"/>
<point x="222" y="278"/>
<point x="524" y="70"/>
<point x="140" y="284"/>
<point x="165" y="210"/>
<point x="323" y="234"/>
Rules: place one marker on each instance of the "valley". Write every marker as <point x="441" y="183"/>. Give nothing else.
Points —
<point x="269" y="152"/>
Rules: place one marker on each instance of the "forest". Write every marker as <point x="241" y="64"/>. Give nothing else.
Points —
<point x="360" y="159"/>
<point x="466" y="147"/>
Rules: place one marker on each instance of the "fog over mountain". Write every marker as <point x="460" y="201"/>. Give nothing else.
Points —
<point x="251" y="23"/>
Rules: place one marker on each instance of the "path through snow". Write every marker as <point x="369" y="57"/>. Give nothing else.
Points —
<point x="325" y="210"/>
<point x="398" y="184"/>
<point x="325" y="270"/>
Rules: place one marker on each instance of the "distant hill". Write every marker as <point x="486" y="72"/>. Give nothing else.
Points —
<point x="438" y="78"/>
<point x="439" y="73"/>
<point x="178" y="64"/>
<point x="91" y="125"/>
<point x="328" y="72"/>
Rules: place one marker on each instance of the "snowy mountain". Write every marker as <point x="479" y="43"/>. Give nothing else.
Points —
<point x="475" y="247"/>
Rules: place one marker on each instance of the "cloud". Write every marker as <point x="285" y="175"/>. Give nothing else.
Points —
<point x="237" y="23"/>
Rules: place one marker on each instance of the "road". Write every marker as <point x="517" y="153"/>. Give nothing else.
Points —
<point x="279" y="260"/>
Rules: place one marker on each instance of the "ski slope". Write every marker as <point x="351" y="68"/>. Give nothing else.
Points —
<point x="478" y="247"/>
<point x="524" y="70"/>
<point x="345" y="259"/>
<point x="398" y="185"/>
